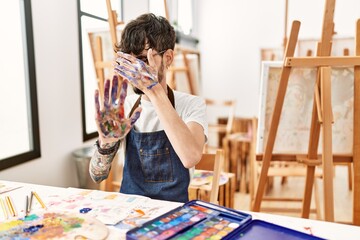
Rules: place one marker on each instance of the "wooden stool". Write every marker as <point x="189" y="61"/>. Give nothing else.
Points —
<point x="237" y="148"/>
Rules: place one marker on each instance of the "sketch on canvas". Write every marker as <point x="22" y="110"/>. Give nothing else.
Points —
<point x="294" y="126"/>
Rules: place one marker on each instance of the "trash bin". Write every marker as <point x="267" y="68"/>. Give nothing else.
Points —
<point x="82" y="159"/>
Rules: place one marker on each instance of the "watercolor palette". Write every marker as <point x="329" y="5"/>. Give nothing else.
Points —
<point x="198" y="220"/>
<point x="53" y="225"/>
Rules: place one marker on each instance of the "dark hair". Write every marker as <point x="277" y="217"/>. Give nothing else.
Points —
<point x="147" y="28"/>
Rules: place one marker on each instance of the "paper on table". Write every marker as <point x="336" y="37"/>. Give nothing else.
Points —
<point x="8" y="186"/>
<point x="145" y="211"/>
<point x="108" y="207"/>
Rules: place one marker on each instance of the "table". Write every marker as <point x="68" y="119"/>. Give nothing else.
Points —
<point x="319" y="228"/>
<point x="48" y="194"/>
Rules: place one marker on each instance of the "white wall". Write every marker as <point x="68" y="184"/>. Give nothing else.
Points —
<point x="233" y="31"/>
<point x="231" y="34"/>
<point x="55" y="29"/>
<point x="58" y="87"/>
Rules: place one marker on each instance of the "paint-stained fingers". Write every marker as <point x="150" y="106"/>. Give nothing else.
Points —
<point x="148" y="70"/>
<point x="149" y="77"/>
<point x="127" y="71"/>
<point x="135" y="116"/>
<point x="127" y="65"/>
<point x="130" y="58"/>
<point x="114" y="89"/>
<point x="123" y="93"/>
<point x="106" y="95"/>
<point x="126" y="75"/>
<point x="145" y="68"/>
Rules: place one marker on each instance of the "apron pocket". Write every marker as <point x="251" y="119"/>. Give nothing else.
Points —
<point x="156" y="165"/>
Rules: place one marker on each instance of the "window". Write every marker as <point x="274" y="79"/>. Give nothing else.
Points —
<point x="180" y="13"/>
<point x="92" y="21"/>
<point x="19" y="128"/>
<point x="185" y="19"/>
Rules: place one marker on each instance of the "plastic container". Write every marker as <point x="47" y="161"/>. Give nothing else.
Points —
<point x="82" y="159"/>
<point x="201" y="220"/>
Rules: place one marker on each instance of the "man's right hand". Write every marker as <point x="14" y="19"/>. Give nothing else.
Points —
<point x="110" y="120"/>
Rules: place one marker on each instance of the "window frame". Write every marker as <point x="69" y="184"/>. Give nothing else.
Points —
<point x="35" y="152"/>
<point x="91" y="135"/>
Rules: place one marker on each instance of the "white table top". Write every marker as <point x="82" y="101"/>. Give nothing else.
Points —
<point x="322" y="229"/>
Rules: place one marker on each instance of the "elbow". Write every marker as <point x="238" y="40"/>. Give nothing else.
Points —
<point x="193" y="159"/>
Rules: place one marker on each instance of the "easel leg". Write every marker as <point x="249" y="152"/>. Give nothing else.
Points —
<point x="327" y="157"/>
<point x="290" y="49"/>
<point x="317" y="201"/>
<point x="356" y="147"/>
<point x="313" y="149"/>
<point x="309" y="182"/>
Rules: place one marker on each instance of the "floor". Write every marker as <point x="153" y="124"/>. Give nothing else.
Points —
<point x="294" y="188"/>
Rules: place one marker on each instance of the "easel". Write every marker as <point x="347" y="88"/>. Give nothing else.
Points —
<point x="173" y="70"/>
<point x="113" y="23"/>
<point x="321" y="118"/>
<point x="99" y="64"/>
<point x="183" y="52"/>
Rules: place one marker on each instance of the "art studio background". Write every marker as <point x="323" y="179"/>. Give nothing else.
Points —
<point x="230" y="33"/>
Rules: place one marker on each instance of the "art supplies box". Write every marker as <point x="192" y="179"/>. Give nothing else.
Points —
<point x="201" y="220"/>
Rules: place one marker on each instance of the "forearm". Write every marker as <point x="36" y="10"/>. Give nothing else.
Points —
<point x="100" y="164"/>
<point x="187" y="140"/>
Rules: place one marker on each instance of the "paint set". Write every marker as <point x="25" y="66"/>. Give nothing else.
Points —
<point x="198" y="220"/>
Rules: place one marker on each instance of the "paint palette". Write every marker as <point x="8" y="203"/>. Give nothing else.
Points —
<point x="199" y="220"/>
<point x="53" y="225"/>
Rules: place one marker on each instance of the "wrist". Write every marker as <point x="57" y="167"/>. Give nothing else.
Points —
<point x="105" y="145"/>
<point x="156" y="91"/>
<point x="107" y="148"/>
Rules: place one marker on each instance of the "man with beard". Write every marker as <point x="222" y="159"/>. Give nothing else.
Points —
<point x="164" y="131"/>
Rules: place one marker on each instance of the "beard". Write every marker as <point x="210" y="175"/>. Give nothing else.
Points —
<point x="160" y="79"/>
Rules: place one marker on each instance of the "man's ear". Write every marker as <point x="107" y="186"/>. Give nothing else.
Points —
<point x="168" y="58"/>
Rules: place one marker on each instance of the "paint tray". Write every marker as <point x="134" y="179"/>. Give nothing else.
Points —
<point x="202" y="220"/>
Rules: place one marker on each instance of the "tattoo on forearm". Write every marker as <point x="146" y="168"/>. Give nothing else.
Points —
<point x="100" y="166"/>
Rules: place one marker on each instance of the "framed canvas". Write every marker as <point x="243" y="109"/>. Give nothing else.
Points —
<point x="295" y="120"/>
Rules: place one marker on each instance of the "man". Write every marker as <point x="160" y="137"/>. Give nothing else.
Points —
<point x="165" y="136"/>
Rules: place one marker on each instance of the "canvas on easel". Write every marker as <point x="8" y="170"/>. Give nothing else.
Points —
<point x="294" y="126"/>
<point x="321" y="119"/>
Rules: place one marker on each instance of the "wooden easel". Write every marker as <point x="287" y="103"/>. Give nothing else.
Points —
<point x="321" y="118"/>
<point x="183" y="52"/>
<point x="99" y="64"/>
<point x="113" y="23"/>
<point x="97" y="49"/>
<point x="173" y="70"/>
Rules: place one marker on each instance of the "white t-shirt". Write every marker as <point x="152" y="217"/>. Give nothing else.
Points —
<point x="189" y="107"/>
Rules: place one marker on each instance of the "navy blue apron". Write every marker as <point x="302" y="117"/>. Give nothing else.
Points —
<point x="152" y="168"/>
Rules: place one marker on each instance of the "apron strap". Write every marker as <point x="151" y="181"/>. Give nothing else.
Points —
<point x="170" y="96"/>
